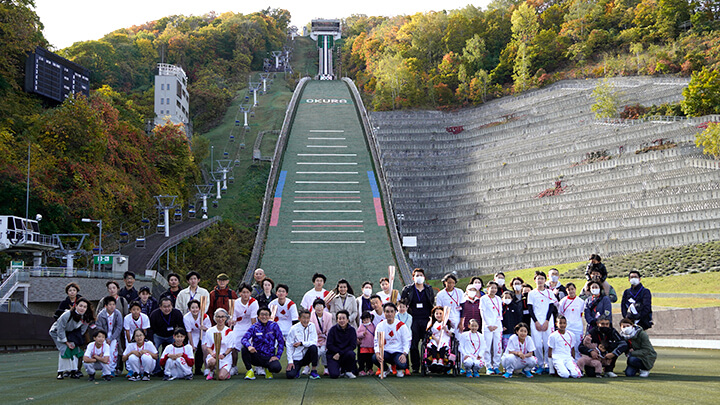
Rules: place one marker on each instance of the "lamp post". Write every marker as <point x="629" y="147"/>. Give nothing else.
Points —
<point x="99" y="222"/>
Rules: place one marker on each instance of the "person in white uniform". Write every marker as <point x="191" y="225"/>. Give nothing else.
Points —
<point x="472" y="348"/>
<point x="451" y="297"/>
<point x="97" y="357"/>
<point x="491" y="313"/>
<point x="571" y="307"/>
<point x="519" y="353"/>
<point x="219" y="367"/>
<point x="541" y="304"/>
<point x="561" y="351"/>
<point x="178" y="358"/>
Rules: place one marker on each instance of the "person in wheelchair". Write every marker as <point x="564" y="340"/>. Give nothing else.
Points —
<point x="439" y="339"/>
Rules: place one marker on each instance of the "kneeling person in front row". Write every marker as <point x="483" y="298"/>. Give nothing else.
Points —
<point x="97" y="356"/>
<point x="519" y="353"/>
<point x="178" y="358"/>
<point x="341" y="344"/>
<point x="218" y="360"/>
<point x="397" y="341"/>
<point x="263" y="345"/>
<point x="561" y="351"/>
<point x="302" y="347"/>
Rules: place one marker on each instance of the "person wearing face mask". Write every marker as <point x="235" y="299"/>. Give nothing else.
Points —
<point x="597" y="304"/>
<point x="512" y="315"/>
<point x="603" y="335"/>
<point x="420" y="297"/>
<point x="363" y="301"/>
<point x="517" y="284"/>
<point x="480" y="286"/>
<point x="641" y="355"/>
<point x="554" y="284"/>
<point x="636" y="303"/>
<point x="526" y="316"/>
<point x="470" y="308"/>
<point x="606" y="288"/>
<point x="500" y="280"/>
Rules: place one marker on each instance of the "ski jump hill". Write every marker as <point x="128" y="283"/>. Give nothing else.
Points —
<point x="324" y="209"/>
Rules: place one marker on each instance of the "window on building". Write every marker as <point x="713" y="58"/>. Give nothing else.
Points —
<point x="162" y="86"/>
<point x="162" y="101"/>
<point x="167" y="101"/>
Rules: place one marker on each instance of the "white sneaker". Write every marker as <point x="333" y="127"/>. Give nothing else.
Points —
<point x="206" y="372"/>
<point x="234" y="371"/>
<point x="644" y="373"/>
<point x="306" y="370"/>
<point x="610" y="374"/>
<point x="259" y="371"/>
<point x="385" y="374"/>
<point x="400" y="373"/>
<point x="350" y="375"/>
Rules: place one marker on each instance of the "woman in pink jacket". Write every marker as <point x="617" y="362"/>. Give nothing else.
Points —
<point x="323" y="322"/>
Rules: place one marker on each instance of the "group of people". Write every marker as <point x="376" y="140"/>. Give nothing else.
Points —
<point x="548" y="328"/>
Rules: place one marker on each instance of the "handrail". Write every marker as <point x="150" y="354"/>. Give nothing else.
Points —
<point x="275" y="164"/>
<point x="384" y="190"/>
<point x="174" y="240"/>
<point x="27" y="272"/>
<point x="8" y="285"/>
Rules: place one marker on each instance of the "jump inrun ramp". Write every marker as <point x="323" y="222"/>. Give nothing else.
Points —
<point x="327" y="214"/>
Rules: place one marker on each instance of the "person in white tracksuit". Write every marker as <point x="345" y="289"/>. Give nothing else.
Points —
<point x="452" y="298"/>
<point x="561" y="351"/>
<point x="541" y="303"/>
<point x="571" y="307"/>
<point x="140" y="356"/>
<point x="519" y="353"/>
<point x="472" y="345"/>
<point x="491" y="313"/>
<point x="97" y="357"/>
<point x="178" y="358"/>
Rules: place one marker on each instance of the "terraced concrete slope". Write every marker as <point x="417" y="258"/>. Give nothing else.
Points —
<point x="327" y="215"/>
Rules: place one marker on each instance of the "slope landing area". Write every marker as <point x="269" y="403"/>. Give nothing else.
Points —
<point x="327" y="215"/>
<point x="679" y="376"/>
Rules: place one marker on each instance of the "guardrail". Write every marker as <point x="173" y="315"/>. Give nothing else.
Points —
<point x="8" y="286"/>
<point x="26" y="272"/>
<point x="385" y="192"/>
<point x="174" y="240"/>
<point x="275" y="164"/>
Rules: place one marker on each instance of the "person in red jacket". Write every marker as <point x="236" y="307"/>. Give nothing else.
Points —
<point x="221" y="295"/>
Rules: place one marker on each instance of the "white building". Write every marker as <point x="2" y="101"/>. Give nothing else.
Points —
<point x="171" y="95"/>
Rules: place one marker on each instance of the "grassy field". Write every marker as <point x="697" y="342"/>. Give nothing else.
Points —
<point x="679" y="376"/>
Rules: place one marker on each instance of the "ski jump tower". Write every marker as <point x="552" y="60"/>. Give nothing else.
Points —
<point x="325" y="33"/>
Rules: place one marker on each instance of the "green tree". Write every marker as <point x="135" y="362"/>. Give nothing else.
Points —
<point x="524" y="28"/>
<point x="709" y="140"/>
<point x="606" y="100"/>
<point x="702" y="96"/>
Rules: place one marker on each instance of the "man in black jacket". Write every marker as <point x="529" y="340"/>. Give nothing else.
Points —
<point x="163" y="322"/>
<point x="420" y="298"/>
<point x="341" y="344"/>
<point x="636" y="303"/>
<point x="604" y="334"/>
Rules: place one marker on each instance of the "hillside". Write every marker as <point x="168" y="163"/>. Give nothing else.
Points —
<point x="447" y="59"/>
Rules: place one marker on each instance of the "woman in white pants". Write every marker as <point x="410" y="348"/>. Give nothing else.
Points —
<point x="472" y="348"/>
<point x="561" y="351"/>
<point x="519" y="353"/>
<point x="140" y="357"/>
<point x="491" y="313"/>
<point x="571" y="307"/>
<point x="541" y="303"/>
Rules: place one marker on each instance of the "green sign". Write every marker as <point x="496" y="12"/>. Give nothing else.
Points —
<point x="103" y="259"/>
<point x="16" y="264"/>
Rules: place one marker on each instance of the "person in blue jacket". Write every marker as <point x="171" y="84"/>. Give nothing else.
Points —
<point x="636" y="303"/>
<point x="263" y="345"/>
<point x="597" y="305"/>
<point x="341" y="344"/>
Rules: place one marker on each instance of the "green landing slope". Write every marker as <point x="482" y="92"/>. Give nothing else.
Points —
<point x="327" y="215"/>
